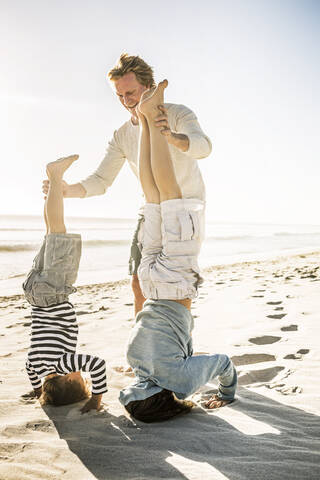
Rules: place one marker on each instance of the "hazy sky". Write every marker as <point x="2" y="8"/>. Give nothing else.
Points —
<point x="249" y="69"/>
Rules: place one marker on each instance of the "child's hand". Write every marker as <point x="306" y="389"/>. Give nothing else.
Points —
<point x="92" y="404"/>
<point x="38" y="392"/>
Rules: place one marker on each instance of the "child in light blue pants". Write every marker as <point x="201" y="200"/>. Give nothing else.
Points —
<point x="160" y="345"/>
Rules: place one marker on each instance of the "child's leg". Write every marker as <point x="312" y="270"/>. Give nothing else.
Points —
<point x="196" y="371"/>
<point x="55" y="268"/>
<point x="150" y="233"/>
<point x="176" y="274"/>
<point x="45" y="216"/>
<point x="148" y="184"/>
<point x="161" y="162"/>
<point x="54" y="211"/>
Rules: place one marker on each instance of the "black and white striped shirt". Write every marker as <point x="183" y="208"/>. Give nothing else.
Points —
<point x="54" y="333"/>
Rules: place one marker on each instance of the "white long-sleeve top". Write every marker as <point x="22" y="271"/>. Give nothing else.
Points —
<point x="124" y="146"/>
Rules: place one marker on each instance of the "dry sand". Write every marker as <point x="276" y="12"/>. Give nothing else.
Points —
<point x="265" y="315"/>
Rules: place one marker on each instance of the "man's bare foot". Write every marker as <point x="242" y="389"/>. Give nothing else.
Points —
<point x="216" y="402"/>
<point x="57" y="168"/>
<point x="150" y="99"/>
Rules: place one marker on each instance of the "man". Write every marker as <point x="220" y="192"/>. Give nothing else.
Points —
<point x="187" y="143"/>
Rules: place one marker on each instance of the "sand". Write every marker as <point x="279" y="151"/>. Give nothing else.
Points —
<point x="265" y="315"/>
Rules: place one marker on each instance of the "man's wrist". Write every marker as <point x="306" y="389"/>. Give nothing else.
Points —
<point x="76" y="190"/>
<point x="179" y="140"/>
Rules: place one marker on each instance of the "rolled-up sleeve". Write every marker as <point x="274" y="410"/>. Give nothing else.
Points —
<point x="200" y="145"/>
<point x="105" y="174"/>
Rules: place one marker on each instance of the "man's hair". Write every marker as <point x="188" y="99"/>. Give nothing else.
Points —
<point x="159" y="407"/>
<point x="57" y="393"/>
<point x="133" y="63"/>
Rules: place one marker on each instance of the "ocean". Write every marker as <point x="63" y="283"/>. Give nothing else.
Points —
<point x="106" y="246"/>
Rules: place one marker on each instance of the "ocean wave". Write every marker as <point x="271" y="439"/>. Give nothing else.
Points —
<point x="228" y="237"/>
<point x="23" y="247"/>
<point x="296" y="234"/>
<point x="18" y="275"/>
<point x="102" y="243"/>
<point x="260" y="236"/>
<point x="18" y="247"/>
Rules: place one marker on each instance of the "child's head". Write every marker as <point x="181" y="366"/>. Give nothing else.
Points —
<point x="64" y="389"/>
<point x="159" y="407"/>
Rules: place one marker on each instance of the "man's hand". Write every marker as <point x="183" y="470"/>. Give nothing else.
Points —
<point x="161" y="121"/>
<point x="94" y="403"/>
<point x="46" y="184"/>
<point x="75" y="190"/>
<point x="178" y="140"/>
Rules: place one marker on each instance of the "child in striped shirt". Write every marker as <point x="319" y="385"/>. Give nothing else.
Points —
<point x="54" y="330"/>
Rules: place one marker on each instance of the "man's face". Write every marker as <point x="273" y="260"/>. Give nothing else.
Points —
<point x="129" y="91"/>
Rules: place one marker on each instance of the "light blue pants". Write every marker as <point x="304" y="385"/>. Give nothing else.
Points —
<point x="160" y="354"/>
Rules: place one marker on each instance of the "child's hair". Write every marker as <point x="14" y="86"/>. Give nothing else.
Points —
<point x="158" y="407"/>
<point x="57" y="393"/>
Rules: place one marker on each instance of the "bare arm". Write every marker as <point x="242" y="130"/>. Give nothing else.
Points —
<point x="94" y="403"/>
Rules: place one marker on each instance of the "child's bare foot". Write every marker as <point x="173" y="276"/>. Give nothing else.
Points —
<point x="216" y="402"/>
<point x="57" y="168"/>
<point x="150" y="99"/>
<point x="126" y="370"/>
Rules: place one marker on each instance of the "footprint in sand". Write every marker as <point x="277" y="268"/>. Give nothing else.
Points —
<point x="293" y="356"/>
<point x="40" y="426"/>
<point x="248" y="359"/>
<point x="292" y="390"/>
<point x="259" y="376"/>
<point x="11" y="450"/>
<point x="275" y="385"/>
<point x="297" y="356"/>
<point x="289" y="328"/>
<point x="264" y="340"/>
<point x="277" y="316"/>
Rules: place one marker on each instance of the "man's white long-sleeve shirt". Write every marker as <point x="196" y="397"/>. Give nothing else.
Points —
<point x="124" y="146"/>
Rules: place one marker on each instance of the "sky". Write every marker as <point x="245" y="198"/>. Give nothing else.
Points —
<point x="249" y="69"/>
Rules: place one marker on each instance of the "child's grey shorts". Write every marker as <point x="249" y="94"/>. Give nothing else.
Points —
<point x="171" y="237"/>
<point x="54" y="270"/>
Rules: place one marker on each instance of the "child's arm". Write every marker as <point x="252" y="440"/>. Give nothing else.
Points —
<point x="73" y="362"/>
<point x="92" y="404"/>
<point x="34" y="379"/>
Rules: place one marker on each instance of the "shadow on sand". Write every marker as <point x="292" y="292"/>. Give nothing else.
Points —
<point x="287" y="449"/>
